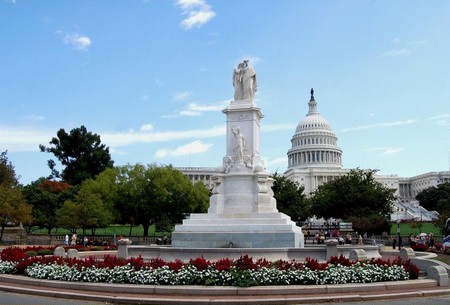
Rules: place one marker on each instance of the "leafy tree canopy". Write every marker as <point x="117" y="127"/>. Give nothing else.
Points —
<point x="436" y="198"/>
<point x="81" y="154"/>
<point x="158" y="195"/>
<point x="356" y="194"/>
<point x="90" y="209"/>
<point x="13" y="207"/>
<point x="7" y="171"/>
<point x="290" y="198"/>
<point x="46" y="197"/>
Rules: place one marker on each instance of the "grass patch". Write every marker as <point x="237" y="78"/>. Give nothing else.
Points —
<point x="123" y="230"/>
<point x="406" y="229"/>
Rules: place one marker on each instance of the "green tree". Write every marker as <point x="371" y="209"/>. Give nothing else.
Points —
<point x="13" y="207"/>
<point x="7" y="171"/>
<point x="436" y="198"/>
<point x="158" y="195"/>
<point x="89" y="209"/>
<point x="441" y="221"/>
<point x="80" y="152"/>
<point x="290" y="198"/>
<point x="106" y="187"/>
<point x="67" y="216"/>
<point x="355" y="195"/>
<point x="46" y="197"/>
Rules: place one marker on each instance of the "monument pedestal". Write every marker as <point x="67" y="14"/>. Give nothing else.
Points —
<point x="262" y="230"/>
<point x="242" y="212"/>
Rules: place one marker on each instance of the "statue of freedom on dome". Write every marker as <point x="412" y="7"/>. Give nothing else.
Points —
<point x="244" y="81"/>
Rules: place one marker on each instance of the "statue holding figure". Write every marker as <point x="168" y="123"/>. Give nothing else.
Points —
<point x="237" y="82"/>
<point x="244" y="81"/>
<point x="239" y="144"/>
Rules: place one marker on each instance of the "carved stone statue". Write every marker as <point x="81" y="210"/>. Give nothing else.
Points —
<point x="237" y="82"/>
<point x="240" y="143"/>
<point x="244" y="81"/>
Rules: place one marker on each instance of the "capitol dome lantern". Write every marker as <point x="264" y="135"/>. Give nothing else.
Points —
<point x="314" y="143"/>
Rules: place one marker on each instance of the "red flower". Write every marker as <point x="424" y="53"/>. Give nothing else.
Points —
<point x="200" y="263"/>
<point x="223" y="264"/>
<point x="175" y="265"/>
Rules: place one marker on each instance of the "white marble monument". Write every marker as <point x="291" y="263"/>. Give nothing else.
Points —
<point x="242" y="212"/>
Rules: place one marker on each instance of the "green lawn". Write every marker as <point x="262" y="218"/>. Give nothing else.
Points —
<point x="111" y="230"/>
<point x="406" y="229"/>
<point x="124" y="230"/>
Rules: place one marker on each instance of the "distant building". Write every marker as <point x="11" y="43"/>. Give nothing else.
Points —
<point x="197" y="174"/>
<point x="314" y="159"/>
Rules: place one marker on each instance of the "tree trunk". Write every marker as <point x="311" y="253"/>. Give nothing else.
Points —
<point x="1" y="233"/>
<point x="146" y="226"/>
<point x="131" y="228"/>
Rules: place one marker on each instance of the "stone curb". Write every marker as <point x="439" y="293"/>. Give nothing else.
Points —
<point x="154" y="294"/>
<point x="419" y="284"/>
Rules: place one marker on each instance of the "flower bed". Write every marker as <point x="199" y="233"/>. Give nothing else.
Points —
<point x="18" y="253"/>
<point x="241" y="272"/>
<point x="438" y="248"/>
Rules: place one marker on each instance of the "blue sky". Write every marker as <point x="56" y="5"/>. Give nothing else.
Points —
<point x="151" y="78"/>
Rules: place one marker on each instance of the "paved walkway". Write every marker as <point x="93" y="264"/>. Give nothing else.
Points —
<point x="421" y="289"/>
<point x="151" y="294"/>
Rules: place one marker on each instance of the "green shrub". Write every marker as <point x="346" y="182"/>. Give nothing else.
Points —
<point x="44" y="252"/>
<point x="31" y="253"/>
<point x="96" y="248"/>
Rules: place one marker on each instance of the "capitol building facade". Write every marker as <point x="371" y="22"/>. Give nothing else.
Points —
<point x="315" y="158"/>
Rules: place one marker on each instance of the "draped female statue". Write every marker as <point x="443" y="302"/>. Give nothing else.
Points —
<point x="244" y="81"/>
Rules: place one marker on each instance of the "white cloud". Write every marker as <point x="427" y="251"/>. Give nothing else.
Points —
<point x="119" y="152"/>
<point x="407" y="49"/>
<point x="194" y="109"/>
<point x="396" y="52"/>
<point x="205" y="108"/>
<point x="440" y="120"/>
<point x="26" y="140"/>
<point x="278" y="162"/>
<point x="440" y="116"/>
<point x="23" y="140"/>
<point x="198" y="13"/>
<point x="79" y="42"/>
<point x="182" y="96"/>
<point x="130" y="138"/>
<point x="35" y="118"/>
<point x="386" y="150"/>
<point x="190" y="148"/>
<point x="146" y="127"/>
<point x="181" y="113"/>
<point x="392" y="150"/>
<point x="189" y="113"/>
<point x="380" y="125"/>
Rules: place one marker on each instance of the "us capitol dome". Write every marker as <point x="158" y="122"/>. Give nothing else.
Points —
<point x="314" y="143"/>
<point x="314" y="157"/>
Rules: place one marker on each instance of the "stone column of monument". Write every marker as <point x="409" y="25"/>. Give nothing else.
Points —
<point x="242" y="210"/>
